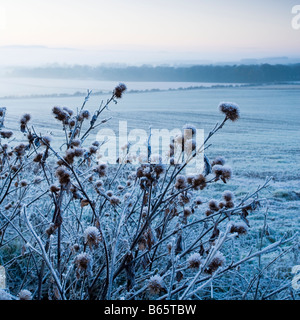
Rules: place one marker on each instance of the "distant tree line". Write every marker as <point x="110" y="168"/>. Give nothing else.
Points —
<point x="200" y="73"/>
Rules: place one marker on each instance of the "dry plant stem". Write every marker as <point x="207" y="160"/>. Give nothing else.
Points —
<point x="44" y="254"/>
<point x="267" y="249"/>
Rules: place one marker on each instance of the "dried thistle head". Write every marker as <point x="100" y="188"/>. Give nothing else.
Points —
<point x="240" y="228"/>
<point x="85" y="114"/>
<point x="63" y="175"/>
<point x="194" y="261"/>
<point x="180" y="182"/>
<point x="218" y="160"/>
<point x="114" y="201"/>
<point x="92" y="236"/>
<point x="213" y="205"/>
<point x="222" y="172"/>
<point x="217" y="261"/>
<point x="25" y="295"/>
<point x="199" y="182"/>
<point x="23" y="183"/>
<point x="227" y="195"/>
<point x="187" y="211"/>
<point x="60" y="114"/>
<point x="83" y="261"/>
<point x="38" y="158"/>
<point x="231" y="110"/>
<point x="6" y="134"/>
<point x="119" y="90"/>
<point x="155" y="284"/>
<point x="25" y="118"/>
<point x="46" y="140"/>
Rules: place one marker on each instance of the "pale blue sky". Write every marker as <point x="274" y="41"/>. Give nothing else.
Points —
<point x="231" y="28"/>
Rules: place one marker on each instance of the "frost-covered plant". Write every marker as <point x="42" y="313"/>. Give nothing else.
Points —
<point x="74" y="228"/>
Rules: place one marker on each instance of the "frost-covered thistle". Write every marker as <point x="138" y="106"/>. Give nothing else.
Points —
<point x="218" y="160"/>
<point x="119" y="90"/>
<point x="217" y="261"/>
<point x="23" y="183"/>
<point x="114" y="201"/>
<point x="222" y="172"/>
<point x="227" y="195"/>
<point x="5" y="134"/>
<point x="180" y="182"/>
<point x="239" y="227"/>
<point x="83" y="261"/>
<point x="194" y="261"/>
<point x="213" y="205"/>
<point x="155" y="284"/>
<point x="25" y="295"/>
<point x="231" y="110"/>
<point x="92" y="236"/>
<point x="63" y="176"/>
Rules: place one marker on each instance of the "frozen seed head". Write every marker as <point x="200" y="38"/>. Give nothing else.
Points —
<point x="54" y="188"/>
<point x="239" y="227"/>
<point x="78" y="152"/>
<point x="198" y="201"/>
<point x="25" y="118"/>
<point x="92" y="236"/>
<point x="60" y="114"/>
<point x="222" y="172"/>
<point x="5" y="134"/>
<point x="199" y="182"/>
<point x="85" y="114"/>
<point x="101" y="170"/>
<point x="114" y="201"/>
<point x="109" y="193"/>
<point x="70" y="155"/>
<point x="227" y="195"/>
<point x="63" y="176"/>
<point x="99" y="184"/>
<point x="83" y="261"/>
<point x="187" y="211"/>
<point x="229" y="204"/>
<point x="209" y="212"/>
<point x="76" y="143"/>
<point x="119" y="90"/>
<point x="20" y="150"/>
<point x="180" y="182"/>
<point x="75" y="247"/>
<point x="222" y="204"/>
<point x="93" y="149"/>
<point x="38" y="158"/>
<point x="23" y="183"/>
<point x="155" y="284"/>
<point x="25" y="295"/>
<point x="218" y="161"/>
<point x="217" y="261"/>
<point x="46" y="140"/>
<point x="213" y="205"/>
<point x="194" y="261"/>
<point x="68" y="110"/>
<point x="231" y="110"/>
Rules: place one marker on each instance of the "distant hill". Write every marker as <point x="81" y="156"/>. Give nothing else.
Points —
<point x="262" y="73"/>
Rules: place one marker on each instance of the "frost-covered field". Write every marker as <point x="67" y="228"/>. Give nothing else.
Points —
<point x="263" y="143"/>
